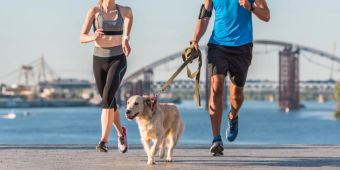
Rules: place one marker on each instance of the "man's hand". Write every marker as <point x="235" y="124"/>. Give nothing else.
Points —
<point x="195" y="44"/>
<point x="262" y="10"/>
<point x="245" y="4"/>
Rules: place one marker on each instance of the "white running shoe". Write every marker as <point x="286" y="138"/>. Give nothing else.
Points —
<point x="122" y="142"/>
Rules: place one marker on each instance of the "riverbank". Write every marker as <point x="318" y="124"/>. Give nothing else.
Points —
<point x="69" y="157"/>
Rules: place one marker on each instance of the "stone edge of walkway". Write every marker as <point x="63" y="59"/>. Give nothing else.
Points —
<point x="88" y="146"/>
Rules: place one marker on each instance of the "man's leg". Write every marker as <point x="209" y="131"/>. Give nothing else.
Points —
<point x="215" y="111"/>
<point x="215" y="103"/>
<point x="238" y="70"/>
<point x="218" y="67"/>
<point x="236" y="100"/>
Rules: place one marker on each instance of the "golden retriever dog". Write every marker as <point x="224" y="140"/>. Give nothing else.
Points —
<point x="157" y="122"/>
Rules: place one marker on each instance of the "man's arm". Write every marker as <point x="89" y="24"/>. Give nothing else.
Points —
<point x="260" y="9"/>
<point x="202" y="24"/>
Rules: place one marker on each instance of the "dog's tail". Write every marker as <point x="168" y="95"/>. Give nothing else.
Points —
<point x="180" y="130"/>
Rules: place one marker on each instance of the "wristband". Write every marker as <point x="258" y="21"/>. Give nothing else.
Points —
<point x="126" y="37"/>
<point x="252" y="7"/>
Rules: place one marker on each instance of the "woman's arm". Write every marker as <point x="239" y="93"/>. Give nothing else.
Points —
<point x="84" y="35"/>
<point x="128" y="21"/>
<point x="202" y="24"/>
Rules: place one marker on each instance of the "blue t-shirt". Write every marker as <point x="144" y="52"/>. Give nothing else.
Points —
<point x="233" y="24"/>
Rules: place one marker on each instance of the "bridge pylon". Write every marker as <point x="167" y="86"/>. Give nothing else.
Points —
<point x="140" y="87"/>
<point x="148" y="82"/>
<point x="289" y="92"/>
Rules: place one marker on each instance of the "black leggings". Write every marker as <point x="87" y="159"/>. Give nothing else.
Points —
<point x="108" y="73"/>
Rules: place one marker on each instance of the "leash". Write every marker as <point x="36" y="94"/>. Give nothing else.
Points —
<point x="188" y="55"/>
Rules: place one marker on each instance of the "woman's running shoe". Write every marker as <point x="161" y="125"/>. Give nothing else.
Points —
<point x="102" y="147"/>
<point x="122" y="142"/>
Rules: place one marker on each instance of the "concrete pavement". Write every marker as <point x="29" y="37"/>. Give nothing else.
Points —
<point x="65" y="157"/>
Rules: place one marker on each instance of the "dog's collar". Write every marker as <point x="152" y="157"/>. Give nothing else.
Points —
<point x="153" y="103"/>
<point x="153" y="112"/>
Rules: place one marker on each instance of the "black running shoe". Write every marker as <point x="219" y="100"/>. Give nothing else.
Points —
<point x="102" y="147"/>
<point x="217" y="148"/>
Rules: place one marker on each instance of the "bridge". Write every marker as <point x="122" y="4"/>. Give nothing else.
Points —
<point x="140" y="82"/>
<point x="289" y="73"/>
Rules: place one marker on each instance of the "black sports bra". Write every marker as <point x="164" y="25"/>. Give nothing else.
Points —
<point x="110" y="27"/>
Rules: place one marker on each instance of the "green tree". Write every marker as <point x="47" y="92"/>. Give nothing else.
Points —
<point x="337" y="91"/>
<point x="337" y="95"/>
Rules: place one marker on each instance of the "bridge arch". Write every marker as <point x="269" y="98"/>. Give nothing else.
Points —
<point x="256" y="42"/>
<point x="288" y="68"/>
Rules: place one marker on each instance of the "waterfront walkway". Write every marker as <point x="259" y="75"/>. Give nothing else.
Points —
<point x="194" y="157"/>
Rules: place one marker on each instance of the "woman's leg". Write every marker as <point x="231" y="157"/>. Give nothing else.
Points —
<point x="100" y="75"/>
<point x="114" y="76"/>
<point x="109" y="117"/>
<point x="116" y="121"/>
<point x="106" y="123"/>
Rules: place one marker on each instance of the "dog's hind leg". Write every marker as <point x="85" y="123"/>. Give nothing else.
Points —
<point x="162" y="148"/>
<point x="171" y="142"/>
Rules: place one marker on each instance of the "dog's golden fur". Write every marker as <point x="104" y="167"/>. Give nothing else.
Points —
<point x="159" y="123"/>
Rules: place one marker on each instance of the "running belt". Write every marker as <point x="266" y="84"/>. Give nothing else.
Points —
<point x="110" y="27"/>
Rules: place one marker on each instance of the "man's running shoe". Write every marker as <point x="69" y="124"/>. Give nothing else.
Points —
<point x="122" y="142"/>
<point x="232" y="129"/>
<point x="217" y="148"/>
<point x="102" y="147"/>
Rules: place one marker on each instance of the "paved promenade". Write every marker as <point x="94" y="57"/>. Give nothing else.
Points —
<point x="79" y="157"/>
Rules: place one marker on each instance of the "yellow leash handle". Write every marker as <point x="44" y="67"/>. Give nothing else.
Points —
<point x="188" y="55"/>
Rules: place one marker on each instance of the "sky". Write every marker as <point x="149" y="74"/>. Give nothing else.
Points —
<point x="32" y="28"/>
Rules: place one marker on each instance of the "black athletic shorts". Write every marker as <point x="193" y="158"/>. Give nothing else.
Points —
<point x="233" y="60"/>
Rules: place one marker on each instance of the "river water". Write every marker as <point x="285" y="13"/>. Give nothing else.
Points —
<point x="261" y="122"/>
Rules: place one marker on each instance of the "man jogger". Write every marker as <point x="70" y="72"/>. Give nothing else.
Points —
<point x="229" y="52"/>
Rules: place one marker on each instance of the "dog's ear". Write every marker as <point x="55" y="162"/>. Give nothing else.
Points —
<point x="147" y="101"/>
<point x="150" y="101"/>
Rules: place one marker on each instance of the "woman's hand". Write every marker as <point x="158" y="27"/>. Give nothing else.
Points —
<point x="97" y="34"/>
<point x="126" y="47"/>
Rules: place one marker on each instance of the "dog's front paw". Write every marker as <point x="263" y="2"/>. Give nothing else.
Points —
<point x="151" y="162"/>
<point x="168" y="159"/>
